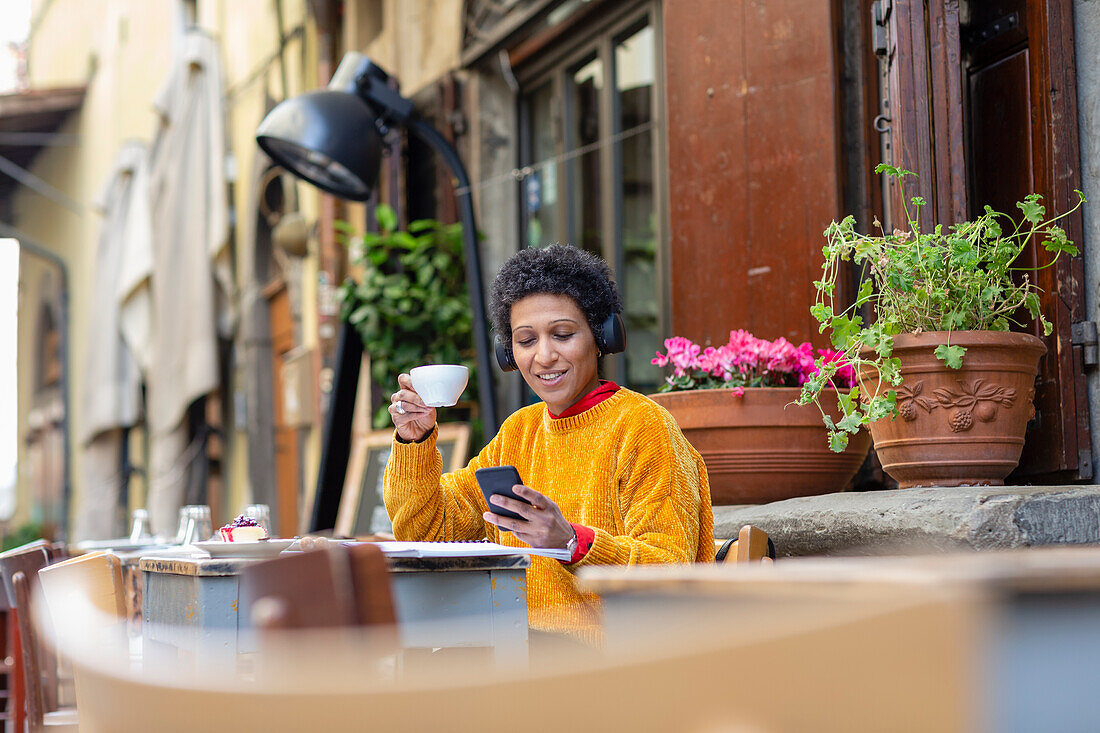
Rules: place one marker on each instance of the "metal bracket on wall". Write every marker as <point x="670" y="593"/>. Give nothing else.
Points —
<point x="1084" y="334"/>
<point x="880" y="14"/>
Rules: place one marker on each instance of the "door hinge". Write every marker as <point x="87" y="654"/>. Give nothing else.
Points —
<point x="880" y="14"/>
<point x="1083" y="334"/>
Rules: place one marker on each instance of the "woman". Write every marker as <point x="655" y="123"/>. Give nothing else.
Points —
<point x="607" y="471"/>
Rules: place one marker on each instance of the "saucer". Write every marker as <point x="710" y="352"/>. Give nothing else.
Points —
<point x="258" y="548"/>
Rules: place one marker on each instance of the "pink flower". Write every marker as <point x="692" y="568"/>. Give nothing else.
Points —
<point x="745" y="361"/>
<point x="845" y="375"/>
<point x="682" y="353"/>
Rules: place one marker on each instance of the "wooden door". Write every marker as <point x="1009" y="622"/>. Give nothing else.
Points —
<point x="287" y="473"/>
<point x="1019" y="86"/>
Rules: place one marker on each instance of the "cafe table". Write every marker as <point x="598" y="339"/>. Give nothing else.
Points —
<point x="192" y="610"/>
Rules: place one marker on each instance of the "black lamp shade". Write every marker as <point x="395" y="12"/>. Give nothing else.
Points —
<point x="328" y="138"/>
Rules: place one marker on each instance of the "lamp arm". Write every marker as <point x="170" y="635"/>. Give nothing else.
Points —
<point x="437" y="142"/>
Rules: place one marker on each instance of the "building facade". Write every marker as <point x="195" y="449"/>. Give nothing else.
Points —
<point x="699" y="147"/>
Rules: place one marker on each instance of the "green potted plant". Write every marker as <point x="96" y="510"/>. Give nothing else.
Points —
<point x="736" y="405"/>
<point x="408" y="301"/>
<point x="944" y="386"/>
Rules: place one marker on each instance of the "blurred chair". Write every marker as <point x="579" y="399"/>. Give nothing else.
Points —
<point x="903" y="661"/>
<point x="28" y="559"/>
<point x="94" y="578"/>
<point x="752" y="544"/>
<point x="370" y="584"/>
<point x="38" y="718"/>
<point x="326" y="588"/>
<point x="92" y="581"/>
<point x="308" y="590"/>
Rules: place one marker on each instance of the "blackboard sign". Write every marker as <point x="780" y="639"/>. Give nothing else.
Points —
<point x="362" y="511"/>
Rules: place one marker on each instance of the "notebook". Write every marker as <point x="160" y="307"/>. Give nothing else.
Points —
<point x="464" y="549"/>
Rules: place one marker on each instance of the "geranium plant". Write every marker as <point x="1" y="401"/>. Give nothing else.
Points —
<point x="962" y="277"/>
<point x="746" y="361"/>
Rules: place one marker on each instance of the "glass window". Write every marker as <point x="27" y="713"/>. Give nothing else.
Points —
<point x="591" y="119"/>
<point x="585" y="86"/>
<point x="541" y="206"/>
<point x="635" y="72"/>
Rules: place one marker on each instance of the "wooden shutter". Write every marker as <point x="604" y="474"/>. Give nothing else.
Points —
<point x="754" y="163"/>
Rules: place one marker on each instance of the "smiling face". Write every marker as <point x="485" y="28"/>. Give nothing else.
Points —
<point x="554" y="349"/>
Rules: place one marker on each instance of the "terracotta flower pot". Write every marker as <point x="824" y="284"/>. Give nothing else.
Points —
<point x="959" y="427"/>
<point x="758" y="447"/>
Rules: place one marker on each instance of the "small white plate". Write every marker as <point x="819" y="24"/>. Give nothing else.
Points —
<point x="257" y="548"/>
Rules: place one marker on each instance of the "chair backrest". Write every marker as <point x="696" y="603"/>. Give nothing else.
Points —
<point x="57" y="551"/>
<point x="325" y="588"/>
<point x="752" y="544"/>
<point x="312" y="590"/>
<point x="29" y="689"/>
<point x="94" y="578"/>
<point x="34" y="695"/>
<point x="918" y="675"/>
<point x="28" y="559"/>
<point x="370" y="582"/>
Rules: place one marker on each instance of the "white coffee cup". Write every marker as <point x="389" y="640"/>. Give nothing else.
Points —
<point x="439" y="385"/>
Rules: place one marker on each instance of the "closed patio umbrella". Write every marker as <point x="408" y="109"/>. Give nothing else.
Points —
<point x="112" y="378"/>
<point x="190" y="282"/>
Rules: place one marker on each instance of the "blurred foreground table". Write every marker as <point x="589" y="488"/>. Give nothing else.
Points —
<point x="192" y="609"/>
<point x="1023" y="642"/>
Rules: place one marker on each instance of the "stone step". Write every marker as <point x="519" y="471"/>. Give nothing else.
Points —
<point x="909" y="521"/>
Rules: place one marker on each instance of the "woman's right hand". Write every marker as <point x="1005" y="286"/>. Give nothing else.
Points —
<point x="412" y="418"/>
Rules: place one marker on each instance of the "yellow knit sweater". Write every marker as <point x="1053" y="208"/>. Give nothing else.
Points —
<point x="621" y="467"/>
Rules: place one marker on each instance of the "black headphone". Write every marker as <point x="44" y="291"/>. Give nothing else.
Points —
<point x="613" y="338"/>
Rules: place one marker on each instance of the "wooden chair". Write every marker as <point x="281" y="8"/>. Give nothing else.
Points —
<point x="752" y="544"/>
<point x="28" y="559"/>
<point x="370" y="584"/>
<point x="326" y="588"/>
<point x="904" y="668"/>
<point x="94" y="578"/>
<point x="38" y="718"/>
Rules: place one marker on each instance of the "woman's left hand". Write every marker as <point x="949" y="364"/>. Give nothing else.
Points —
<point x="544" y="526"/>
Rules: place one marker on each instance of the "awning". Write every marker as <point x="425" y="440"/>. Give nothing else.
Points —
<point x="28" y="122"/>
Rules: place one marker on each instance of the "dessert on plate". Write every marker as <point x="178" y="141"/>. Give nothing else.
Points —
<point x="243" y="529"/>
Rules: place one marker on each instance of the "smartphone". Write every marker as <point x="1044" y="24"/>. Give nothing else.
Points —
<point x="499" y="480"/>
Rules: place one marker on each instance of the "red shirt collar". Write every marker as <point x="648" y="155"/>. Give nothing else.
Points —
<point x="593" y="398"/>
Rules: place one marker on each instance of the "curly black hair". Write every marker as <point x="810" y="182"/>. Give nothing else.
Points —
<point x="559" y="269"/>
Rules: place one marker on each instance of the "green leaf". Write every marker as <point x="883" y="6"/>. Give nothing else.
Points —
<point x="844" y="329"/>
<point x="950" y="355"/>
<point x="1031" y="302"/>
<point x="838" y="441"/>
<point x="386" y="218"/>
<point x="1033" y="210"/>
<point x="821" y="312"/>
<point x="866" y="290"/>
<point x="898" y="173"/>
<point x="851" y="423"/>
